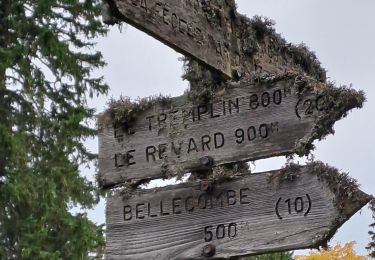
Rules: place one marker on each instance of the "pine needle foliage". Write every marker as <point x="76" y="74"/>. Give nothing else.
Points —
<point x="46" y="64"/>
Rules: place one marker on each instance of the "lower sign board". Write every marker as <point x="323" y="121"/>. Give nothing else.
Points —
<point x="246" y="122"/>
<point x="294" y="208"/>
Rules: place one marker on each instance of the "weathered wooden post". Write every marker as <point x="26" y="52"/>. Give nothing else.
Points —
<point x="272" y="99"/>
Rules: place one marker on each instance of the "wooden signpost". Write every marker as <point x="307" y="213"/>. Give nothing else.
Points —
<point x="272" y="211"/>
<point x="278" y="103"/>
<point x="195" y="28"/>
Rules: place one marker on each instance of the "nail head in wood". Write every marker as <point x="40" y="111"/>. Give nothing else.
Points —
<point x="207" y="161"/>
<point x="209" y="250"/>
<point x="206" y="186"/>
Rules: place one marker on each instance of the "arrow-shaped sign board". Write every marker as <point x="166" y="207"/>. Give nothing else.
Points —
<point x="195" y="28"/>
<point x="293" y="208"/>
<point x="248" y="122"/>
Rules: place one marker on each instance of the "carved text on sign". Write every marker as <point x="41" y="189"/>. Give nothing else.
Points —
<point x="224" y="199"/>
<point x="227" y="129"/>
<point x="190" y="116"/>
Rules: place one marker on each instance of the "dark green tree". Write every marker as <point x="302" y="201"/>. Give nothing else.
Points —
<point x="46" y="64"/>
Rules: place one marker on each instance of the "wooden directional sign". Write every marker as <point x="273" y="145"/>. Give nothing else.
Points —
<point x="194" y="28"/>
<point x="281" y="210"/>
<point x="248" y="122"/>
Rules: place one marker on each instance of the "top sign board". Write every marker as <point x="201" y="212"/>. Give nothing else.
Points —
<point x="193" y="27"/>
<point x="247" y="122"/>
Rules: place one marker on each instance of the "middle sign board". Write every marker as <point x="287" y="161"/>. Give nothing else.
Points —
<point x="248" y="122"/>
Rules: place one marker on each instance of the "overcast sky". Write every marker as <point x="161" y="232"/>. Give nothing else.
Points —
<point x="340" y="32"/>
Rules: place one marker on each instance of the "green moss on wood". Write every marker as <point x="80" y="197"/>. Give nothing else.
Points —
<point x="298" y="82"/>
<point x="213" y="9"/>
<point x="259" y="33"/>
<point x="247" y="36"/>
<point x="227" y="172"/>
<point x="339" y="101"/>
<point x="125" y="110"/>
<point x="261" y="26"/>
<point x="213" y="14"/>
<point x="204" y="83"/>
<point x="175" y="170"/>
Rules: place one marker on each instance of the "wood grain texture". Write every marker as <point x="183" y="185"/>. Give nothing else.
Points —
<point x="258" y="213"/>
<point x="246" y="122"/>
<point x="195" y="28"/>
